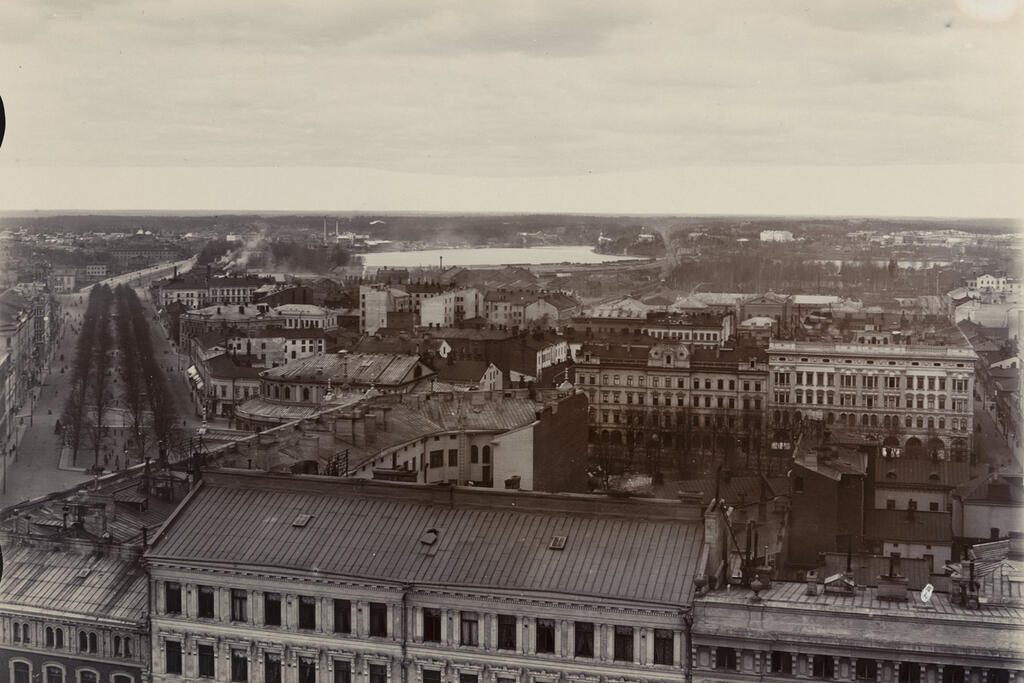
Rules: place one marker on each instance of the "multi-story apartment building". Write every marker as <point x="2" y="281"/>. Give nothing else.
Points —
<point x="836" y="631"/>
<point x="194" y="290"/>
<point x="917" y="397"/>
<point x="450" y="308"/>
<point x="663" y="395"/>
<point x="376" y="301"/>
<point x="518" y="308"/>
<point x="347" y="580"/>
<point x="697" y="330"/>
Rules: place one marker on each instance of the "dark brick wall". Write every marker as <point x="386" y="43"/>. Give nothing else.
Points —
<point x="71" y="665"/>
<point x="560" y="447"/>
<point x="823" y="515"/>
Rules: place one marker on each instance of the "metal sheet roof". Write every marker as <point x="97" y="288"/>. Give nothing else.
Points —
<point x="356" y="531"/>
<point x="49" y="578"/>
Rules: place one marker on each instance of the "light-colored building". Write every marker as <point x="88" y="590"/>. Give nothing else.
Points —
<point x="919" y="397"/>
<point x="776" y="236"/>
<point x="376" y="301"/>
<point x="306" y="316"/>
<point x="989" y="507"/>
<point x="378" y="582"/>
<point x="447" y="309"/>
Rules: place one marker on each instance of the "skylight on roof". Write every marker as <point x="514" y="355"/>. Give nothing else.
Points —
<point x="302" y="520"/>
<point x="557" y="543"/>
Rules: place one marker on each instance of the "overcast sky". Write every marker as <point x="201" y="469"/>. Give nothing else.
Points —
<point x="821" y="106"/>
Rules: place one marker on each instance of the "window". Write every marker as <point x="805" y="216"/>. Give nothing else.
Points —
<point x="342" y="616"/>
<point x="431" y="676"/>
<point x="725" y="658"/>
<point x="272" y="609"/>
<point x="22" y="673"/>
<point x="890" y="504"/>
<point x="204" y="654"/>
<point x="663" y="646"/>
<point x="93" y="642"/>
<point x="86" y="676"/>
<point x="117" y="645"/>
<point x="54" y="674"/>
<point x="307" y="670"/>
<point x="545" y="641"/>
<point x="469" y="629"/>
<point x="933" y="507"/>
<point x="798" y="484"/>
<point x="952" y="674"/>
<point x="83" y="639"/>
<point x="238" y="605"/>
<point x="432" y="625"/>
<point x="507" y="632"/>
<point x="378" y="619"/>
<point x="172" y="657"/>
<point x="453" y="457"/>
<point x="437" y="458"/>
<point x="623" y="644"/>
<point x="378" y="673"/>
<point x="468" y="678"/>
<point x="342" y="671"/>
<point x="59" y="632"/>
<point x="172" y="598"/>
<point x="583" y="639"/>
<point x="823" y="666"/>
<point x="271" y="667"/>
<point x="487" y="455"/>
<point x="474" y="454"/>
<point x="307" y="612"/>
<point x="782" y="662"/>
<point x="866" y="669"/>
<point x="239" y="666"/>
<point x="205" y="602"/>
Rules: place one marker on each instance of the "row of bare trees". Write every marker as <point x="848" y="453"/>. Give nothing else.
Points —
<point x="89" y="397"/>
<point x="144" y="382"/>
<point x="144" y="392"/>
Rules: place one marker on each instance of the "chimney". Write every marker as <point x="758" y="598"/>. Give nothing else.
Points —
<point x="1016" y="550"/>
<point x="893" y="586"/>
<point x="812" y="582"/>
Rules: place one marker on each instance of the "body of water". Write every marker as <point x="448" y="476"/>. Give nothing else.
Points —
<point x="488" y="256"/>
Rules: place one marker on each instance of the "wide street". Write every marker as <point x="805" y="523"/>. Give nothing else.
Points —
<point x="34" y="466"/>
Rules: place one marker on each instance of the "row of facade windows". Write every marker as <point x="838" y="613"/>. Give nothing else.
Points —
<point x="88" y="641"/>
<point x="469" y="628"/>
<point x="668" y="382"/>
<point x="823" y="667"/>
<point x="22" y="672"/>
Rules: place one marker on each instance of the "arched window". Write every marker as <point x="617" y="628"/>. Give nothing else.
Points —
<point x="874" y="420"/>
<point x="287" y="393"/>
<point x="25" y="633"/>
<point x="121" y="678"/>
<point x="942" y="423"/>
<point x="117" y="645"/>
<point x="474" y="454"/>
<point x="93" y="642"/>
<point x="22" y="672"/>
<point x="88" y="676"/>
<point x="60" y="638"/>
<point x="49" y="637"/>
<point x="909" y="422"/>
<point x="54" y="674"/>
<point x="305" y="393"/>
<point x="127" y="647"/>
<point x="83" y="641"/>
<point x="487" y="455"/>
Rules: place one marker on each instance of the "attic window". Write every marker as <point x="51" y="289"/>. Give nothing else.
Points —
<point x="83" y="573"/>
<point x="557" y="543"/>
<point x="891" y="474"/>
<point x="934" y="476"/>
<point x="302" y="520"/>
<point x="429" y="537"/>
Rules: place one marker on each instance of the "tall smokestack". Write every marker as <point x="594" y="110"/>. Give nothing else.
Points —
<point x="336" y="233"/>
<point x="325" y="230"/>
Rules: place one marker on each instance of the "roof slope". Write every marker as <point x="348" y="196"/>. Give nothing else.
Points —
<point x="48" y="578"/>
<point x="488" y="540"/>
